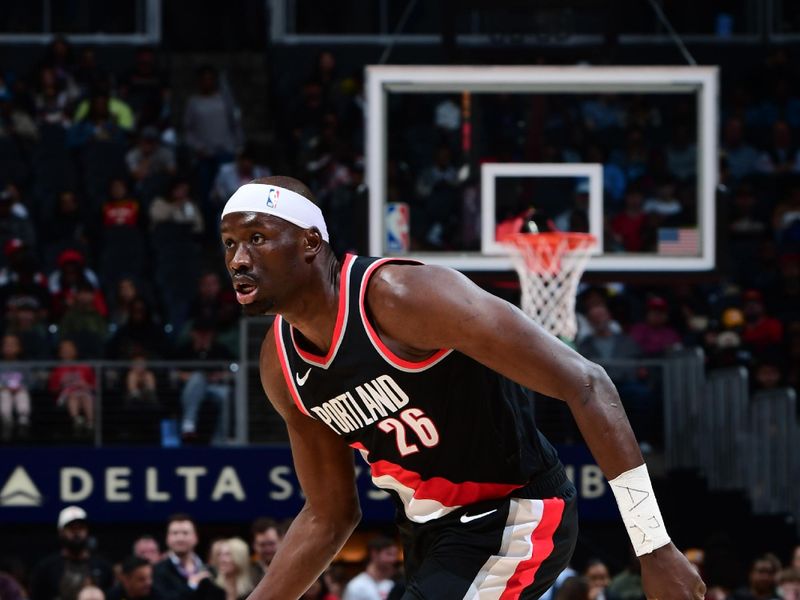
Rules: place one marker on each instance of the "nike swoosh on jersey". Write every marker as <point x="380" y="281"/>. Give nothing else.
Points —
<point x="301" y="381"/>
<point x="467" y="518"/>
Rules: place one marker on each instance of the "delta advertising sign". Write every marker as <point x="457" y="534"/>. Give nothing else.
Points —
<point x="211" y="484"/>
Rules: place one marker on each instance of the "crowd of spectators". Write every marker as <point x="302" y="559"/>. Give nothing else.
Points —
<point x="111" y="195"/>
<point x="106" y="200"/>
<point x="232" y="567"/>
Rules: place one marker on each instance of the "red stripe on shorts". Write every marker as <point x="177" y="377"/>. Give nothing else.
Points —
<point x="542" y="542"/>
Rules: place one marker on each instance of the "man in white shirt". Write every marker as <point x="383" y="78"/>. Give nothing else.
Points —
<point x="375" y="582"/>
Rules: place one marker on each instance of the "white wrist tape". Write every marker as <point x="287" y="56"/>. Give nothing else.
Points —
<point x="278" y="202"/>
<point x="639" y="509"/>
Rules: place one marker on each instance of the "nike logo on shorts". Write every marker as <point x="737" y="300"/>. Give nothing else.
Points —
<point x="465" y="518"/>
<point x="301" y="381"/>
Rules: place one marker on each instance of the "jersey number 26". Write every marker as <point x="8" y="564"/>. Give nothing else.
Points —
<point x="415" y="420"/>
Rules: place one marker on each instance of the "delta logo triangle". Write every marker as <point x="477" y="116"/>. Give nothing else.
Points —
<point x="20" y="490"/>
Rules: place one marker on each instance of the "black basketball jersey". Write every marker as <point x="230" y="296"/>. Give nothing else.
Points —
<point x="438" y="434"/>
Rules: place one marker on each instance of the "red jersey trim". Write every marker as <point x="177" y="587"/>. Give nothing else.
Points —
<point x="542" y="542"/>
<point x="383" y="349"/>
<point x="444" y="491"/>
<point x="284" y="360"/>
<point x="341" y="321"/>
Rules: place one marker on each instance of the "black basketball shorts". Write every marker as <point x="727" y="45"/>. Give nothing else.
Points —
<point x="495" y="550"/>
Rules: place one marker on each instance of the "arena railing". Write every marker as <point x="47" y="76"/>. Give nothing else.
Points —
<point x="131" y="414"/>
<point x="735" y="439"/>
<point x="773" y="447"/>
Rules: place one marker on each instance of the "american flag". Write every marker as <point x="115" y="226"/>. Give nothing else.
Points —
<point x="678" y="241"/>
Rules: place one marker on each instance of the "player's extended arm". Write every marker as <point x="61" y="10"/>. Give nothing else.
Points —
<point x="324" y="466"/>
<point x="423" y="308"/>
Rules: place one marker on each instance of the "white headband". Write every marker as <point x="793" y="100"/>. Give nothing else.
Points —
<point x="278" y="202"/>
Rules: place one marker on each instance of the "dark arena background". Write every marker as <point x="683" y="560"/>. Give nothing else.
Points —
<point x="129" y="381"/>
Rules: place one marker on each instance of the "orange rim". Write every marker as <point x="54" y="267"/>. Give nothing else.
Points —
<point x="551" y="238"/>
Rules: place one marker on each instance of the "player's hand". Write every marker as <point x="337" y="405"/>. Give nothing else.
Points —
<point x="667" y="575"/>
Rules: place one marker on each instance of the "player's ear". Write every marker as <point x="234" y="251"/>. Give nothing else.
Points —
<point x="312" y="242"/>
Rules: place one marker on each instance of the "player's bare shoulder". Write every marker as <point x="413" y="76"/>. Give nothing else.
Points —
<point x="403" y="285"/>
<point x="418" y="306"/>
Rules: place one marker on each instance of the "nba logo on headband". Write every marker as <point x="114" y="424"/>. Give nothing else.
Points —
<point x="272" y="198"/>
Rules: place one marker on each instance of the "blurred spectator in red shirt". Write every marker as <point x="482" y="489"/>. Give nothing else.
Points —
<point x="74" y="387"/>
<point x="121" y="208"/>
<point x="628" y="226"/>
<point x="761" y="330"/>
<point x="655" y="335"/>
<point x="63" y="282"/>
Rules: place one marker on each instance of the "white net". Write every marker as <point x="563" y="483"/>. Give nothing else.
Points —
<point x="550" y="266"/>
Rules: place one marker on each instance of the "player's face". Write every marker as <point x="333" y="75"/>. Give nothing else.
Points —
<point x="263" y="255"/>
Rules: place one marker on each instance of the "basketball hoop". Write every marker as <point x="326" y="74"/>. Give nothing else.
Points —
<point x="550" y="266"/>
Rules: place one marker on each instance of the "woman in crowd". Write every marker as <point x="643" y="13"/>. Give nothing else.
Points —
<point x="235" y="574"/>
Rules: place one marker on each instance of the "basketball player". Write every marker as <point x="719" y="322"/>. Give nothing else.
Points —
<point x="425" y="375"/>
